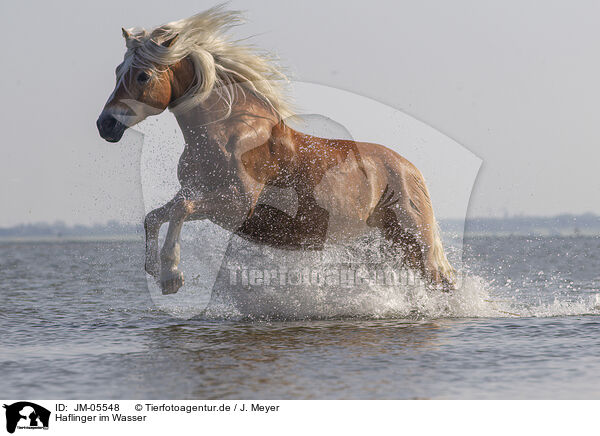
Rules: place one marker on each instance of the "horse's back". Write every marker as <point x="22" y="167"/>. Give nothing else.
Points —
<point x="359" y="172"/>
<point x="348" y="179"/>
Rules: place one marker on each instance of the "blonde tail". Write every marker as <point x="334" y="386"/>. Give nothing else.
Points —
<point x="439" y="256"/>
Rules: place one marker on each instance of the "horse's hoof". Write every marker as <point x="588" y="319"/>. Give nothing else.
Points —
<point x="171" y="281"/>
<point x="152" y="268"/>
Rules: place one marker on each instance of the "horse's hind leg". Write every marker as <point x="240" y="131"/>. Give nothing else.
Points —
<point x="415" y="236"/>
<point x="418" y="252"/>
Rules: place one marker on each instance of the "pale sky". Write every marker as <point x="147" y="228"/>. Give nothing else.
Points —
<point x="515" y="82"/>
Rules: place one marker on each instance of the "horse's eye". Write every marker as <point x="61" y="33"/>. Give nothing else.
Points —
<point x="143" y="77"/>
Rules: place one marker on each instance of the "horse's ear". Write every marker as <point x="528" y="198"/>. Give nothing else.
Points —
<point x="169" y="42"/>
<point x="126" y="34"/>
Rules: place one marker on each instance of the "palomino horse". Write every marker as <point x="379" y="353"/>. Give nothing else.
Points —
<point x="228" y="101"/>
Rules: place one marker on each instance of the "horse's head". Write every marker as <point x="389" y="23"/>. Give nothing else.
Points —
<point x="180" y="65"/>
<point x="144" y="87"/>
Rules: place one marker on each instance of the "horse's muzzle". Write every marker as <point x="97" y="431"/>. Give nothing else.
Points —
<point x="110" y="128"/>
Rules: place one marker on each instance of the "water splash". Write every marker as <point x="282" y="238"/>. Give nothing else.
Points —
<point x="408" y="297"/>
<point x="230" y="278"/>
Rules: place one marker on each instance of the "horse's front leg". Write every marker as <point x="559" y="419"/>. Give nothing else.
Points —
<point x="171" y="279"/>
<point x="152" y="223"/>
<point x="227" y="204"/>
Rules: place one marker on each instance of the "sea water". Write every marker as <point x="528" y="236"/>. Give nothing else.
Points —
<point x="78" y="321"/>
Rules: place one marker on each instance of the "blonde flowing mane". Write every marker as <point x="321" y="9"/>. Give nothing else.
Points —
<point x="221" y="64"/>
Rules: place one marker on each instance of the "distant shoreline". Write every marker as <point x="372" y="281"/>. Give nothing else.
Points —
<point x="72" y="238"/>
<point x="559" y="225"/>
<point x="61" y="231"/>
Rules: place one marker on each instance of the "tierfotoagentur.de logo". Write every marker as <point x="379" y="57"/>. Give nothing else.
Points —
<point x="26" y="415"/>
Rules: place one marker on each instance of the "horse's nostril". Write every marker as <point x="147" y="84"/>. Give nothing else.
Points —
<point x="109" y="128"/>
<point x="109" y="123"/>
<point x="106" y="124"/>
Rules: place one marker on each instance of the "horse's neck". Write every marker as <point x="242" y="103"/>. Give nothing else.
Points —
<point x="210" y="125"/>
<point x="193" y="127"/>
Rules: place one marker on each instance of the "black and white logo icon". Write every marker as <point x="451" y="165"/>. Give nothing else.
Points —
<point x="26" y="415"/>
